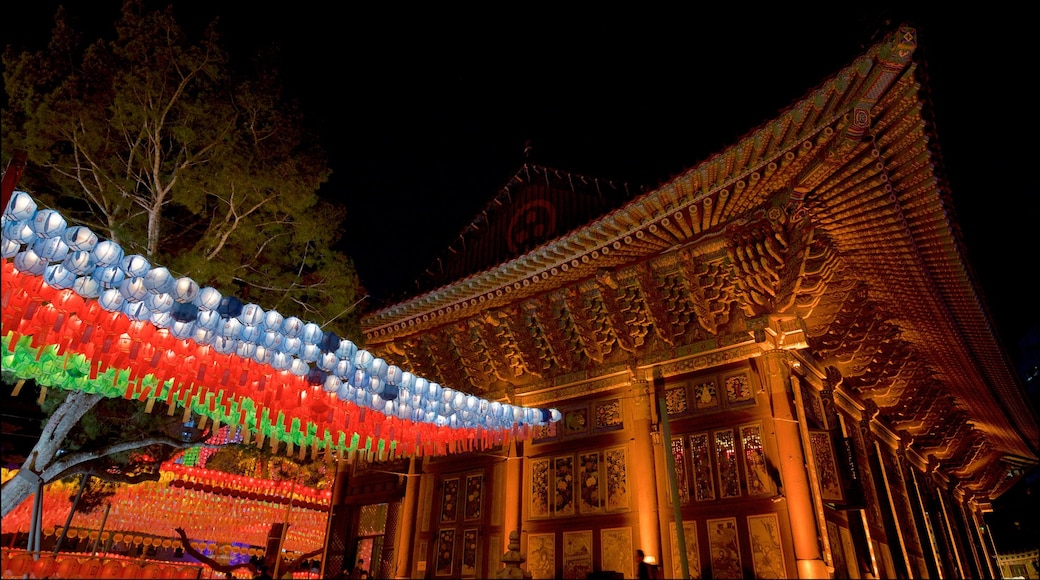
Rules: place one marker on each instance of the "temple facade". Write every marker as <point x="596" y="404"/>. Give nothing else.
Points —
<point x="775" y="365"/>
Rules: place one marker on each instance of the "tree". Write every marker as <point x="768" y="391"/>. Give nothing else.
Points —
<point x="156" y="141"/>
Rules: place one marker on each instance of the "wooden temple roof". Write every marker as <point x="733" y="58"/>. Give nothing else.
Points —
<point x="834" y="214"/>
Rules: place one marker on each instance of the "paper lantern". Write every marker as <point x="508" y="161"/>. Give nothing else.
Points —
<point x="20" y="564"/>
<point x="80" y="238"/>
<point x="185" y="290"/>
<point x="87" y="287"/>
<point x="20" y="231"/>
<point x="135" y="266"/>
<point x="58" y="276"/>
<point x="159" y="280"/>
<point x="29" y="262"/>
<point x="9" y="248"/>
<point x="51" y="249"/>
<point x="107" y="253"/>
<point x="133" y="288"/>
<point x="208" y="298"/>
<point x="68" y="567"/>
<point x="79" y="262"/>
<point x="21" y="206"/>
<point x="111" y="569"/>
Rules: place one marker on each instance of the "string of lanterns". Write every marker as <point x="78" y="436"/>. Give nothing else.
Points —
<point x="79" y="313"/>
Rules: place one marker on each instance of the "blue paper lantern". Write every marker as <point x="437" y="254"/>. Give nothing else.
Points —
<point x="347" y="350"/>
<point x="80" y="238"/>
<point x="311" y="333"/>
<point x="133" y="289"/>
<point x="159" y="302"/>
<point x="58" y="276"/>
<point x="251" y="333"/>
<point x="159" y="280"/>
<point x="185" y="290"/>
<point x="229" y="307"/>
<point x="208" y="298"/>
<point x="9" y="247"/>
<point x="273" y="321"/>
<point x="80" y="263"/>
<point x="136" y="310"/>
<point x="316" y="377"/>
<point x="329" y="341"/>
<point x="136" y="265"/>
<point x="251" y="314"/>
<point x="112" y="300"/>
<point x="181" y="329"/>
<point x="48" y="223"/>
<point x="208" y="319"/>
<point x="110" y="276"/>
<point x="21" y="232"/>
<point x="292" y="326"/>
<point x="184" y="312"/>
<point x="30" y="262"/>
<point x="107" y="253"/>
<point x="299" y="368"/>
<point x="20" y="207"/>
<point x="53" y="249"/>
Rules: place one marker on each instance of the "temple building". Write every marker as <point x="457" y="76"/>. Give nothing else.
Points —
<point x="777" y="364"/>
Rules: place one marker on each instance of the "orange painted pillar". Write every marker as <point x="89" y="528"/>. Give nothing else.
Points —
<point x="409" y="514"/>
<point x="775" y="375"/>
<point x="513" y="496"/>
<point x="643" y="475"/>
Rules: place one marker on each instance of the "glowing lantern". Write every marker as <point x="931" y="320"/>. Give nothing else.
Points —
<point x="20" y="207"/>
<point x="107" y="253"/>
<point x="8" y="248"/>
<point x="208" y="299"/>
<point x="87" y="287"/>
<point x="58" y="276"/>
<point x="133" y="288"/>
<point x="29" y="262"/>
<point x="53" y="249"/>
<point x="185" y="290"/>
<point x="79" y="263"/>
<point x="159" y="280"/>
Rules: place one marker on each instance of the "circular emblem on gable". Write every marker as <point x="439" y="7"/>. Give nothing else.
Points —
<point x="533" y="223"/>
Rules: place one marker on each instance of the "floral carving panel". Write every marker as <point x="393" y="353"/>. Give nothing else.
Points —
<point x="450" y="500"/>
<point x="766" y="552"/>
<point x="474" y="496"/>
<point x="590" y="500"/>
<point x="563" y="489"/>
<point x="617" y="478"/>
<point x="446" y="552"/>
<point x="539" y="488"/>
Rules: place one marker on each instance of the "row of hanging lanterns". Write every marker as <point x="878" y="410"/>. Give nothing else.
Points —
<point x="71" y="289"/>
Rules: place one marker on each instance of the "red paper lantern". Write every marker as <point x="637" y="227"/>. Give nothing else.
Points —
<point x="42" y="567"/>
<point x="112" y="569"/>
<point x="67" y="568"/>
<point x="21" y="564"/>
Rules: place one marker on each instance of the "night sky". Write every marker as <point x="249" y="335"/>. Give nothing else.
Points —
<point x="425" y="113"/>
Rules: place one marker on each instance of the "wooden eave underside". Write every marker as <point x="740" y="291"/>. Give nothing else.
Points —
<point x="834" y="214"/>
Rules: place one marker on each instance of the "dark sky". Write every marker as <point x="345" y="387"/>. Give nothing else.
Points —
<point x="425" y="114"/>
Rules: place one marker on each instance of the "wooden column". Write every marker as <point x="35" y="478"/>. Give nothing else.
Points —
<point x="514" y="496"/>
<point x="643" y="475"/>
<point x="775" y="375"/>
<point x="409" y="513"/>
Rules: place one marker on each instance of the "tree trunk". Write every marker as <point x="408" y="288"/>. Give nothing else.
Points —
<point x="19" y="488"/>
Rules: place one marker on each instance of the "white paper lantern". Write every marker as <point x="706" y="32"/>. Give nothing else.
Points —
<point x="185" y="290"/>
<point x="87" y="287"/>
<point x="159" y="280"/>
<point x="53" y="249"/>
